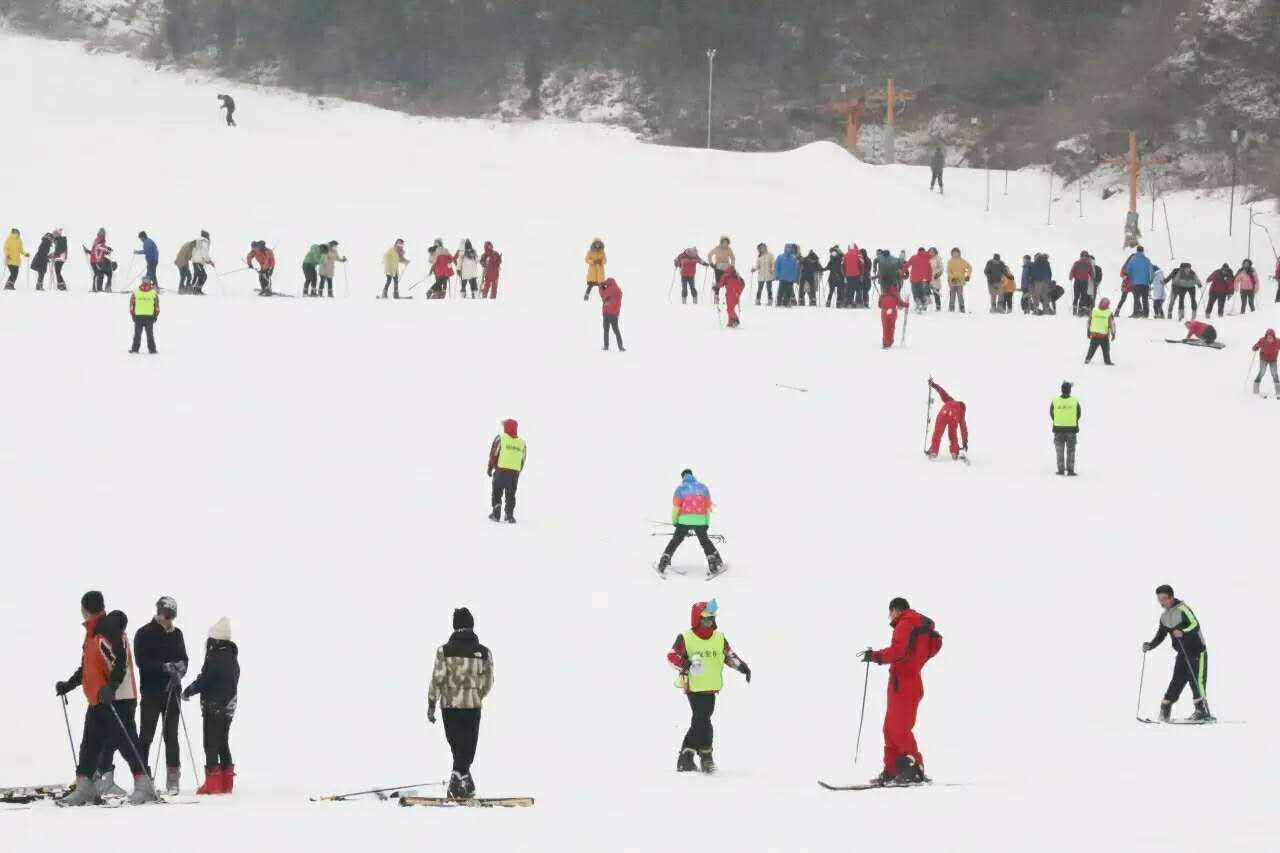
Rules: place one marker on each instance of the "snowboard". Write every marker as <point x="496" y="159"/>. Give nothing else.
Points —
<point x="1214" y="345"/>
<point x="474" y="803"/>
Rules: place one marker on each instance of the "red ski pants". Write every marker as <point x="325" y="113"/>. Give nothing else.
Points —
<point x="489" y="289"/>
<point x="948" y="423"/>
<point x="731" y="306"/>
<point x="900" y="719"/>
<point x="888" y="325"/>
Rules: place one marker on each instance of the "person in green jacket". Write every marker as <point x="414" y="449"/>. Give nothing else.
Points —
<point x="310" y="264"/>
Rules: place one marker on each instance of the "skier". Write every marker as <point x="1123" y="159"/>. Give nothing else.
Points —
<point x="888" y="271"/>
<point x="468" y="268"/>
<point x="1101" y="328"/>
<point x="1064" y="413"/>
<point x="1191" y="656"/>
<point x="491" y="261"/>
<point x="40" y="263"/>
<point x="441" y="271"/>
<point x="786" y="269"/>
<point x="764" y="271"/>
<point x="936" y="164"/>
<point x="199" y="260"/>
<point x="688" y="262"/>
<point x="1267" y="348"/>
<point x="161" y="654"/>
<point x="890" y="302"/>
<point x="310" y="265"/>
<point x="994" y="272"/>
<point x="914" y="642"/>
<point x="1081" y="277"/>
<point x="1140" y="272"/>
<point x="1221" y="286"/>
<point x="461" y="678"/>
<point x="1197" y="331"/>
<point x="328" y="265"/>
<point x="733" y="286"/>
<point x="1185" y="282"/>
<point x="59" y="257"/>
<point x="229" y="104"/>
<point x="595" y="260"/>
<point x="720" y="259"/>
<point x="150" y="253"/>
<point x="14" y="252"/>
<point x="950" y="416"/>
<point x="1246" y="283"/>
<point x="99" y="258"/>
<point x="701" y="654"/>
<point x="958" y="272"/>
<point x="853" y="276"/>
<point x="507" y="455"/>
<point x="266" y="265"/>
<point x="218" y="687"/>
<point x="144" y="308"/>
<point x="106" y="675"/>
<point x="937" y="267"/>
<point x="920" y="273"/>
<point x="392" y="260"/>
<point x="1158" y="292"/>
<point x="865" y="285"/>
<point x="182" y="261"/>
<point x="1041" y="278"/>
<point x="810" y="272"/>
<point x="835" y="277"/>
<point x="610" y="308"/>
<point x="691" y="513"/>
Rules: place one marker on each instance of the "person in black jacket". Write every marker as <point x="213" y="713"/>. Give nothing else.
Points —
<point x="40" y="263"/>
<point x="1191" y="657"/>
<point x="59" y="257"/>
<point x="229" y="104"/>
<point x="161" y="655"/>
<point x="218" y="685"/>
<point x="835" y="278"/>
<point x="810" y="272"/>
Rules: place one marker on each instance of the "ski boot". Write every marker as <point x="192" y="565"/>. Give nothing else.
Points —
<point x="1257" y="388"/>
<point x="468" y="784"/>
<point x="510" y="518"/>
<point x="8" y="287"/>
<point x="715" y="564"/>
<point x="494" y="516"/>
<point x="1166" y="711"/>
<point x="1202" y="714"/>
<point x="143" y="790"/>
<point x="62" y="287"/>
<point x="173" y="779"/>
<point x="707" y="761"/>
<point x="885" y="778"/>
<point x="955" y="457"/>
<point x="909" y="773"/>
<point x="105" y="784"/>
<point x="664" y="563"/>
<point x="84" y="793"/>
<point x="457" y="789"/>
<point x="684" y="764"/>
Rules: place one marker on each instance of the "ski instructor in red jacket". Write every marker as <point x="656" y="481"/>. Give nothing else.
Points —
<point x="914" y="642"/>
<point x="890" y="302"/>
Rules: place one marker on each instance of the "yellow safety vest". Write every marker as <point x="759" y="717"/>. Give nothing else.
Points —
<point x="1100" y="322"/>
<point x="706" y="663"/>
<point x="511" y="453"/>
<point x="1066" y="412"/>
<point x="144" y="303"/>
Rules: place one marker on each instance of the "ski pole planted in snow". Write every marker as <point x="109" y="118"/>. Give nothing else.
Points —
<point x="133" y="744"/>
<point x="857" y="746"/>
<point x="191" y="753"/>
<point x="1249" y="374"/>
<point x="75" y="762"/>
<point x="1142" y="675"/>
<point x="928" y="413"/>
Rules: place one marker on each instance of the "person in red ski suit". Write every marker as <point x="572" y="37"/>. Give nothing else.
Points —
<point x="491" y="262"/>
<point x="890" y="302"/>
<point x="920" y="272"/>
<point x="1202" y="331"/>
<point x="733" y="286"/>
<point x="949" y="418"/>
<point x="1268" y="349"/>
<point x="442" y="269"/>
<point x="914" y="642"/>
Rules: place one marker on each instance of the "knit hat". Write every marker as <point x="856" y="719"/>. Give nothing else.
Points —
<point x="221" y="630"/>
<point x="167" y="603"/>
<point x="1066" y="389"/>
<point x="463" y="620"/>
<point x="91" y="602"/>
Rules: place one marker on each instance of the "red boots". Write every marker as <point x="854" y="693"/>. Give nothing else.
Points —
<point x="212" y="781"/>
<point x="228" y="778"/>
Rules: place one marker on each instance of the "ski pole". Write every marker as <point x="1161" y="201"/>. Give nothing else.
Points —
<point x="1252" y="358"/>
<point x="928" y="413"/>
<point x="164" y="727"/>
<point x="70" y="740"/>
<point x="866" y="677"/>
<point x="1142" y="675"/>
<point x="133" y="743"/>
<point x="906" y="318"/>
<point x="346" y="282"/>
<point x="335" y="798"/>
<point x="1195" y="679"/>
<point x="672" y="286"/>
<point x="182" y="718"/>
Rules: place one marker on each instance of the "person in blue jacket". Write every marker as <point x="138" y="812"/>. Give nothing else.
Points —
<point x="786" y="269"/>
<point x="151" y="254"/>
<point x="1041" y="281"/>
<point x="1024" y="285"/>
<point x="1141" y="272"/>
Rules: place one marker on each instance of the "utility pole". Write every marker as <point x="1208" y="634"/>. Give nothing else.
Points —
<point x="711" y="71"/>
<point x="1134" y="165"/>
<point x="852" y="111"/>
<point x="1236" y="137"/>
<point x="890" y="98"/>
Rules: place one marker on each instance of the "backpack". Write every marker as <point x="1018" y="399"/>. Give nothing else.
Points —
<point x="932" y="639"/>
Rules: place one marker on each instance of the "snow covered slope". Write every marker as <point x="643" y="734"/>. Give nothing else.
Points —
<point x="315" y="472"/>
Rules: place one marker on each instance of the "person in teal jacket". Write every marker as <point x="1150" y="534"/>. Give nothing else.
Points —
<point x="691" y="513"/>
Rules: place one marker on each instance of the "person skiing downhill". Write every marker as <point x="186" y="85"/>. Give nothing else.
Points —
<point x="491" y="262"/>
<point x="106" y="675"/>
<point x="914" y="642"/>
<point x="687" y="262"/>
<point x="733" y="286"/>
<point x="461" y="678"/>
<point x="950" y="417"/>
<point x="161" y="654"/>
<point x="507" y="456"/>
<point x="218" y="686"/>
<point x="1064" y="413"/>
<point x="691" y="513"/>
<point x="890" y="303"/>
<point x="1191" y="656"/>
<point x="1267" y="348"/>
<point x="701" y="654"/>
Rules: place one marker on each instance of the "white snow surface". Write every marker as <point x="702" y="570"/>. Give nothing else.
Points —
<point x="314" y="471"/>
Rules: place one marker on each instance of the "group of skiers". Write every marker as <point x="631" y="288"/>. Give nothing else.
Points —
<point x="113" y="692"/>
<point x="52" y="251"/>
<point x="464" y="262"/>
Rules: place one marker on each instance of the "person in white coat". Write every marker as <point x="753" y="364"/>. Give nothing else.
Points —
<point x="937" y="267"/>
<point x="468" y="266"/>
<point x="199" y="260"/>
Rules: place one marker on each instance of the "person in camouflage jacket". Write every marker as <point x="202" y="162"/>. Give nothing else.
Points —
<point x="460" y="680"/>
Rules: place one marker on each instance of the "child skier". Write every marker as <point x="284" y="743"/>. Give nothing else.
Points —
<point x="1267" y="348"/>
<point x="950" y="417"/>
<point x="700" y="654"/>
<point x="691" y="513"/>
<point x="217" y="684"/>
<point x="733" y="286"/>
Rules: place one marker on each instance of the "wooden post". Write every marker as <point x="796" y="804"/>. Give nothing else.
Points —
<point x="1133" y="171"/>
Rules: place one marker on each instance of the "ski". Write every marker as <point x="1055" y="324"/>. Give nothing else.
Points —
<point x="393" y="297"/>
<point x="870" y="787"/>
<point x="31" y="793"/>
<point x="1191" y="722"/>
<point x="670" y="570"/>
<point x="724" y="567"/>
<point x="475" y="803"/>
<point x="1214" y="345"/>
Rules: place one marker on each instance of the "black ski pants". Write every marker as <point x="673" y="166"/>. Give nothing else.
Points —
<point x="462" y="730"/>
<point x="700" y="733"/>
<point x="57" y="273"/>
<point x="1190" y="666"/>
<point x="200" y="276"/>
<point x="687" y="287"/>
<point x="1141" y="300"/>
<point x="391" y="279"/>
<point x="141" y="324"/>
<point x="936" y="179"/>
<point x="505" y="483"/>
<point x="1094" y="344"/>
<point x="264" y="281"/>
<point x="151" y="272"/>
<point x="161" y="705"/>
<point x="13" y="275"/>
<point x="1246" y="301"/>
<point x="762" y="286"/>
<point x="104" y="735"/>
<point x="1180" y="295"/>
<point x="1219" y="299"/>
<point x="217" y="740"/>
<point x="309" y="279"/>
<point x="682" y="531"/>
<point x="611" y="322"/>
<point x="325" y="281"/>
<point x="184" y="277"/>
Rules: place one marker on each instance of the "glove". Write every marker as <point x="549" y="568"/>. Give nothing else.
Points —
<point x="61" y="688"/>
<point x="176" y="667"/>
<point x="489" y="472"/>
<point x="1146" y="647"/>
<point x="745" y="670"/>
<point x="106" y="695"/>
<point x="186" y="695"/>
<point x="431" y="712"/>
<point x="866" y="656"/>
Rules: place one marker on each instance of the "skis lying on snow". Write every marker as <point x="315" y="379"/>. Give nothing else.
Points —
<point x="31" y="793"/>
<point x="474" y="803"/>
<point x="393" y="297"/>
<point x="870" y="787"/>
<point x="1190" y="722"/>
<point x="380" y="793"/>
<point x="1214" y="345"/>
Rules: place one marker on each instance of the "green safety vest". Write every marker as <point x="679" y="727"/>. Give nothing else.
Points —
<point x="511" y="453"/>
<point x="706" y="663"/>
<point x="1100" y="322"/>
<point x="144" y="303"/>
<point x="1066" y="412"/>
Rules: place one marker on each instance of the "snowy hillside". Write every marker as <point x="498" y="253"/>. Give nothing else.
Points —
<point x="314" y="471"/>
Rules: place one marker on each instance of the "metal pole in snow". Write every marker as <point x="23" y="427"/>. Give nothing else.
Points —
<point x="711" y="66"/>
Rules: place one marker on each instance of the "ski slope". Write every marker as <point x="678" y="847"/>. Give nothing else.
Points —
<point x="314" y="471"/>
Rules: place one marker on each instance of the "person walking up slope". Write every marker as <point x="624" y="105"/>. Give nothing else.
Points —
<point x="701" y="654"/>
<point x="1064" y="412"/>
<point x="950" y="417"/>
<point x="1101" y="329"/>
<point x="144" y="308"/>
<point x="914" y="642"/>
<point x="611" y="308"/>
<point x="1267" y="348"/>
<point x="691" y="513"/>
<point x="1191" y="656"/>
<point x="218" y="686"/>
<point x="507" y="456"/>
<point x="461" y="679"/>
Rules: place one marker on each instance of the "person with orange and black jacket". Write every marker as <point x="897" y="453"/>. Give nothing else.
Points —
<point x="106" y="675"/>
<point x="701" y="654"/>
<point x="218" y="685"/>
<point x="461" y="678"/>
<point x="161" y="654"/>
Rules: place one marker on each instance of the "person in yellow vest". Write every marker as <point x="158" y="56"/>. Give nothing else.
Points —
<point x="1102" y="331"/>
<point x="13" y="255"/>
<point x="1065" y="412"/>
<point x="144" y="308"/>
<point x="506" y="461"/>
<point x="595" y="260"/>
<point x="701" y="654"/>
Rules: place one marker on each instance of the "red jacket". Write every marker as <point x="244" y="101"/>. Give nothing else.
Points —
<point x="953" y="411"/>
<point x="733" y="284"/>
<point x="905" y="656"/>
<point x="99" y="250"/>
<point x="1222" y="284"/>
<point x="442" y="266"/>
<point x="688" y="263"/>
<point x="1082" y="270"/>
<point x="852" y="263"/>
<point x="1197" y="328"/>
<point x="265" y="257"/>
<point x="610" y="298"/>
<point x="920" y="268"/>
<point x="889" y="299"/>
<point x="1268" y="346"/>
<point x="491" y="260"/>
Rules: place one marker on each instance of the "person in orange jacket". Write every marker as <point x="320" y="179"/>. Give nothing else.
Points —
<point x="144" y="308"/>
<point x="890" y="302"/>
<point x="265" y="261"/>
<point x="733" y="286"/>
<point x="950" y="417"/>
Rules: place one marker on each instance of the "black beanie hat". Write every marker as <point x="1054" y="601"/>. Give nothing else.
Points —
<point x="1164" y="589"/>
<point x="463" y="620"/>
<point x="687" y="472"/>
<point x="899" y="603"/>
<point x="92" y="602"/>
<point x="1066" y="389"/>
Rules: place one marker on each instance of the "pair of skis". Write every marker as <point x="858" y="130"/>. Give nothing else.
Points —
<point x="710" y="575"/>
<point x="869" y="786"/>
<point x="407" y="795"/>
